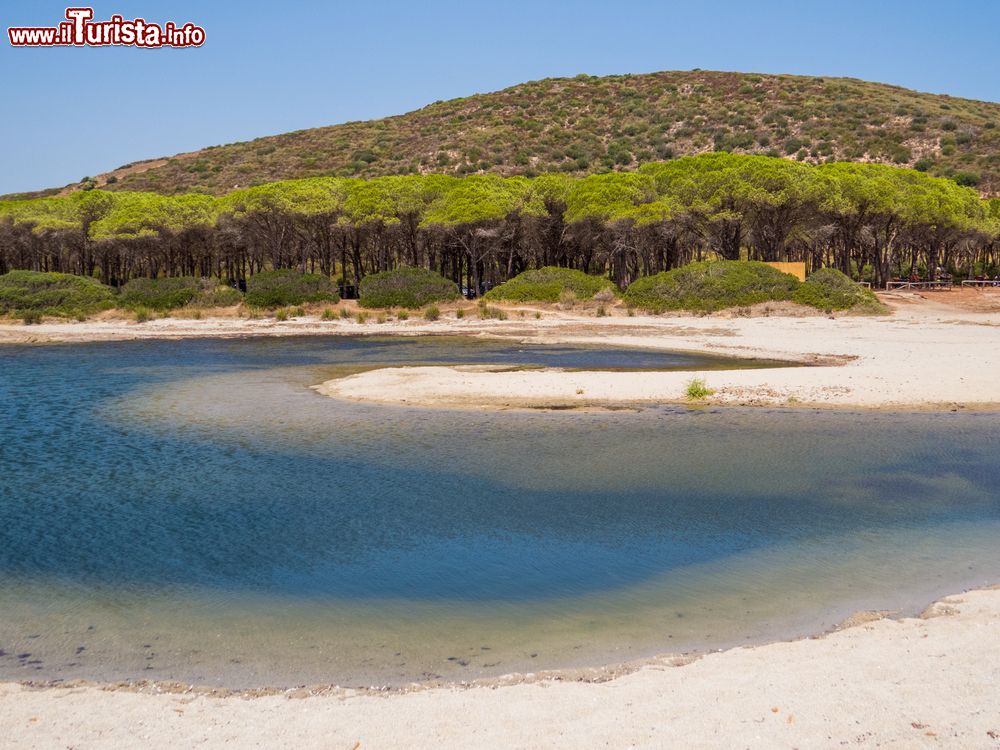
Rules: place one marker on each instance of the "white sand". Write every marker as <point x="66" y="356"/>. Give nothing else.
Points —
<point x="902" y="684"/>
<point x="915" y="358"/>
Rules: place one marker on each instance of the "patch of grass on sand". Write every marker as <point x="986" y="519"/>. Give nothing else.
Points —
<point x="697" y="390"/>
<point x="488" y="312"/>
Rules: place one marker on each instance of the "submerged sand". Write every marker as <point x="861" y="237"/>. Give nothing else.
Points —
<point x="932" y="681"/>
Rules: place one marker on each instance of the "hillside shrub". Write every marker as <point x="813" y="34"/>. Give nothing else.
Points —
<point x="406" y="287"/>
<point x="270" y="289"/>
<point x="710" y="286"/>
<point x="169" y="294"/>
<point x="551" y="284"/>
<point x="47" y="293"/>
<point x="829" y="289"/>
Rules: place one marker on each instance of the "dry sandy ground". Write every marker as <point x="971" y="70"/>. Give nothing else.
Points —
<point x="910" y="683"/>
<point x="929" y="355"/>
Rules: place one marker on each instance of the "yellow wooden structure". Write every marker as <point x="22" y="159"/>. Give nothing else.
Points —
<point x="798" y="270"/>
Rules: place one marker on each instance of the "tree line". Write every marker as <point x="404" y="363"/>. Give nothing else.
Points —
<point x="864" y="219"/>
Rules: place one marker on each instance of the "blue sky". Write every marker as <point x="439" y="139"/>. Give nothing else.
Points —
<point x="278" y="66"/>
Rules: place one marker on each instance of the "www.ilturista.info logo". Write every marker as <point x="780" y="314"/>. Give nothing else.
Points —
<point x="80" y="30"/>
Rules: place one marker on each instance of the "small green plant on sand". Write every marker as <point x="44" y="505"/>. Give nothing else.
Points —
<point x="31" y="317"/>
<point x="403" y="315"/>
<point x="487" y="312"/>
<point x="460" y="313"/>
<point x="432" y="313"/>
<point x="362" y="317"/>
<point x="697" y="390"/>
<point x="281" y="315"/>
<point x="328" y="314"/>
<point x="345" y="313"/>
<point x="142" y="315"/>
<point x="567" y="298"/>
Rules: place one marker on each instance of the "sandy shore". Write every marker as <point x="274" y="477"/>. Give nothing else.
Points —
<point x="937" y="351"/>
<point x="920" y="357"/>
<point x="923" y="682"/>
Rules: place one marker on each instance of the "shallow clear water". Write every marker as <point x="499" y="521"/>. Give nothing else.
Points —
<point x="193" y="511"/>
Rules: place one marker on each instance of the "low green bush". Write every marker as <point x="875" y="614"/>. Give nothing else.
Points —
<point x="710" y="286"/>
<point x="829" y="289"/>
<point x="58" y="294"/>
<point x="158" y="294"/>
<point x="550" y="284"/>
<point x="169" y="294"/>
<point x="406" y="287"/>
<point x="270" y="289"/>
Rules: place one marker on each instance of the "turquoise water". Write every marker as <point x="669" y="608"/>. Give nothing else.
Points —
<point x="193" y="511"/>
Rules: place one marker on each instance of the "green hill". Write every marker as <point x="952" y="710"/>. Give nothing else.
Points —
<point x="588" y="124"/>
